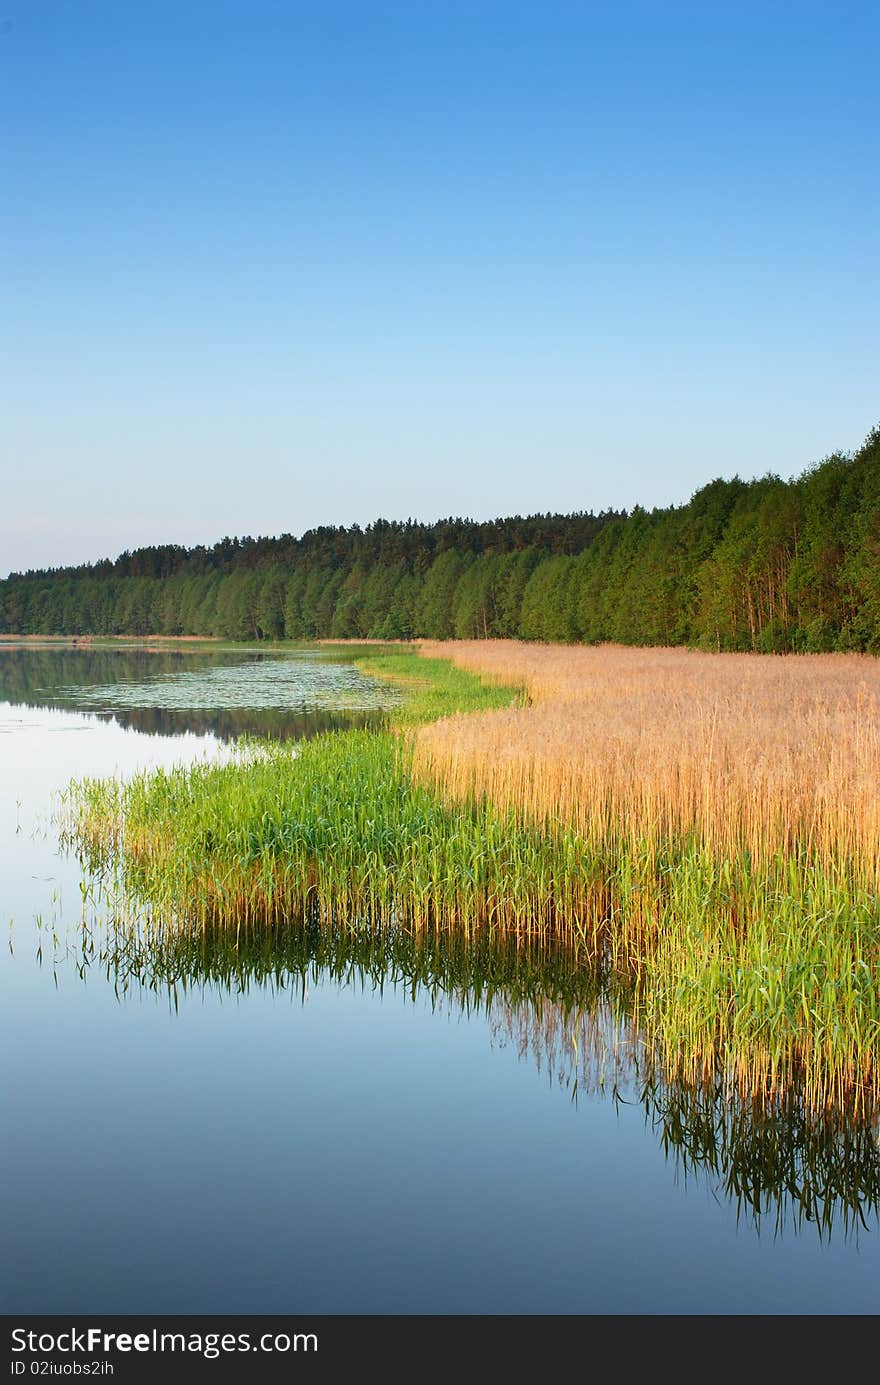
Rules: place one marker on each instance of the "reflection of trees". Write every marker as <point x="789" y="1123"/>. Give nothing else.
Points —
<point x="33" y="674"/>
<point x="226" y="723"/>
<point x="40" y="677"/>
<point x="782" y="1162"/>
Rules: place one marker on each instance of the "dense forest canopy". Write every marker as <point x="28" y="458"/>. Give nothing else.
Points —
<point x="765" y="565"/>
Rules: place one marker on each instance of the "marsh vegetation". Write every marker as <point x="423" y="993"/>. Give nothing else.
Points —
<point x="703" y="827"/>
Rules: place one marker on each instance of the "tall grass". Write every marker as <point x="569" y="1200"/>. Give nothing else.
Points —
<point x="733" y="802"/>
<point x="744" y="753"/>
<point x="749" y="946"/>
<point x="338" y="822"/>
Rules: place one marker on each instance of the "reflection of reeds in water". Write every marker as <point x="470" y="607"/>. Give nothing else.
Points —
<point x="581" y="1050"/>
<point x="780" y="1160"/>
<point x="140" y="952"/>
<point x="772" y="1153"/>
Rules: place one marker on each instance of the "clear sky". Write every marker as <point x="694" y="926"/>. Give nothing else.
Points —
<point x="273" y="265"/>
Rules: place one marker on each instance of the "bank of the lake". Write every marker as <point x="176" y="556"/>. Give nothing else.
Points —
<point x="760" y="965"/>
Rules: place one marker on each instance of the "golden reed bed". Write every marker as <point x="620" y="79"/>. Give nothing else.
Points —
<point x="760" y="752"/>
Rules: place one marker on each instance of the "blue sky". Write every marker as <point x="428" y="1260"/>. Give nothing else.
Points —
<point x="273" y="265"/>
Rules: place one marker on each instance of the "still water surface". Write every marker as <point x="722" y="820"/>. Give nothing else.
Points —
<point x="309" y="1124"/>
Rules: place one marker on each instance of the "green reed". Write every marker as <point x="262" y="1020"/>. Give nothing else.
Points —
<point x="770" y="968"/>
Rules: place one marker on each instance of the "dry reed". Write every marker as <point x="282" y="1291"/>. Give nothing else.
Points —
<point x="744" y="752"/>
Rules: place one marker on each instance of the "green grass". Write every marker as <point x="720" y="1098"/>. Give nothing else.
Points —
<point x="766" y="973"/>
<point x="435" y="688"/>
<point x="337" y="820"/>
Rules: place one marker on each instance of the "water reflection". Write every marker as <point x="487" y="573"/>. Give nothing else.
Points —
<point x="174" y="692"/>
<point x="784" y="1165"/>
<point x="781" y="1162"/>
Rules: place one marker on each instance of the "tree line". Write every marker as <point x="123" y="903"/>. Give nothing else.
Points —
<point x="767" y="565"/>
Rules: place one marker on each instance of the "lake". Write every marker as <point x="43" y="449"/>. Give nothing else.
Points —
<point x="307" y="1123"/>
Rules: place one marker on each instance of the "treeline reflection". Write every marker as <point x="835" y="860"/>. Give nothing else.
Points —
<point x="50" y="677"/>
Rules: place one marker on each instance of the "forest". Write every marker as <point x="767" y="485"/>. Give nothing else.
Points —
<point x="765" y="565"/>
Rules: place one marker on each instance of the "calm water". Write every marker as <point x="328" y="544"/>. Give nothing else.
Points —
<point x="313" y="1125"/>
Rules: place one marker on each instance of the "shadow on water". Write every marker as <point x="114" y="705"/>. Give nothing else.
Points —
<point x="784" y="1166"/>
